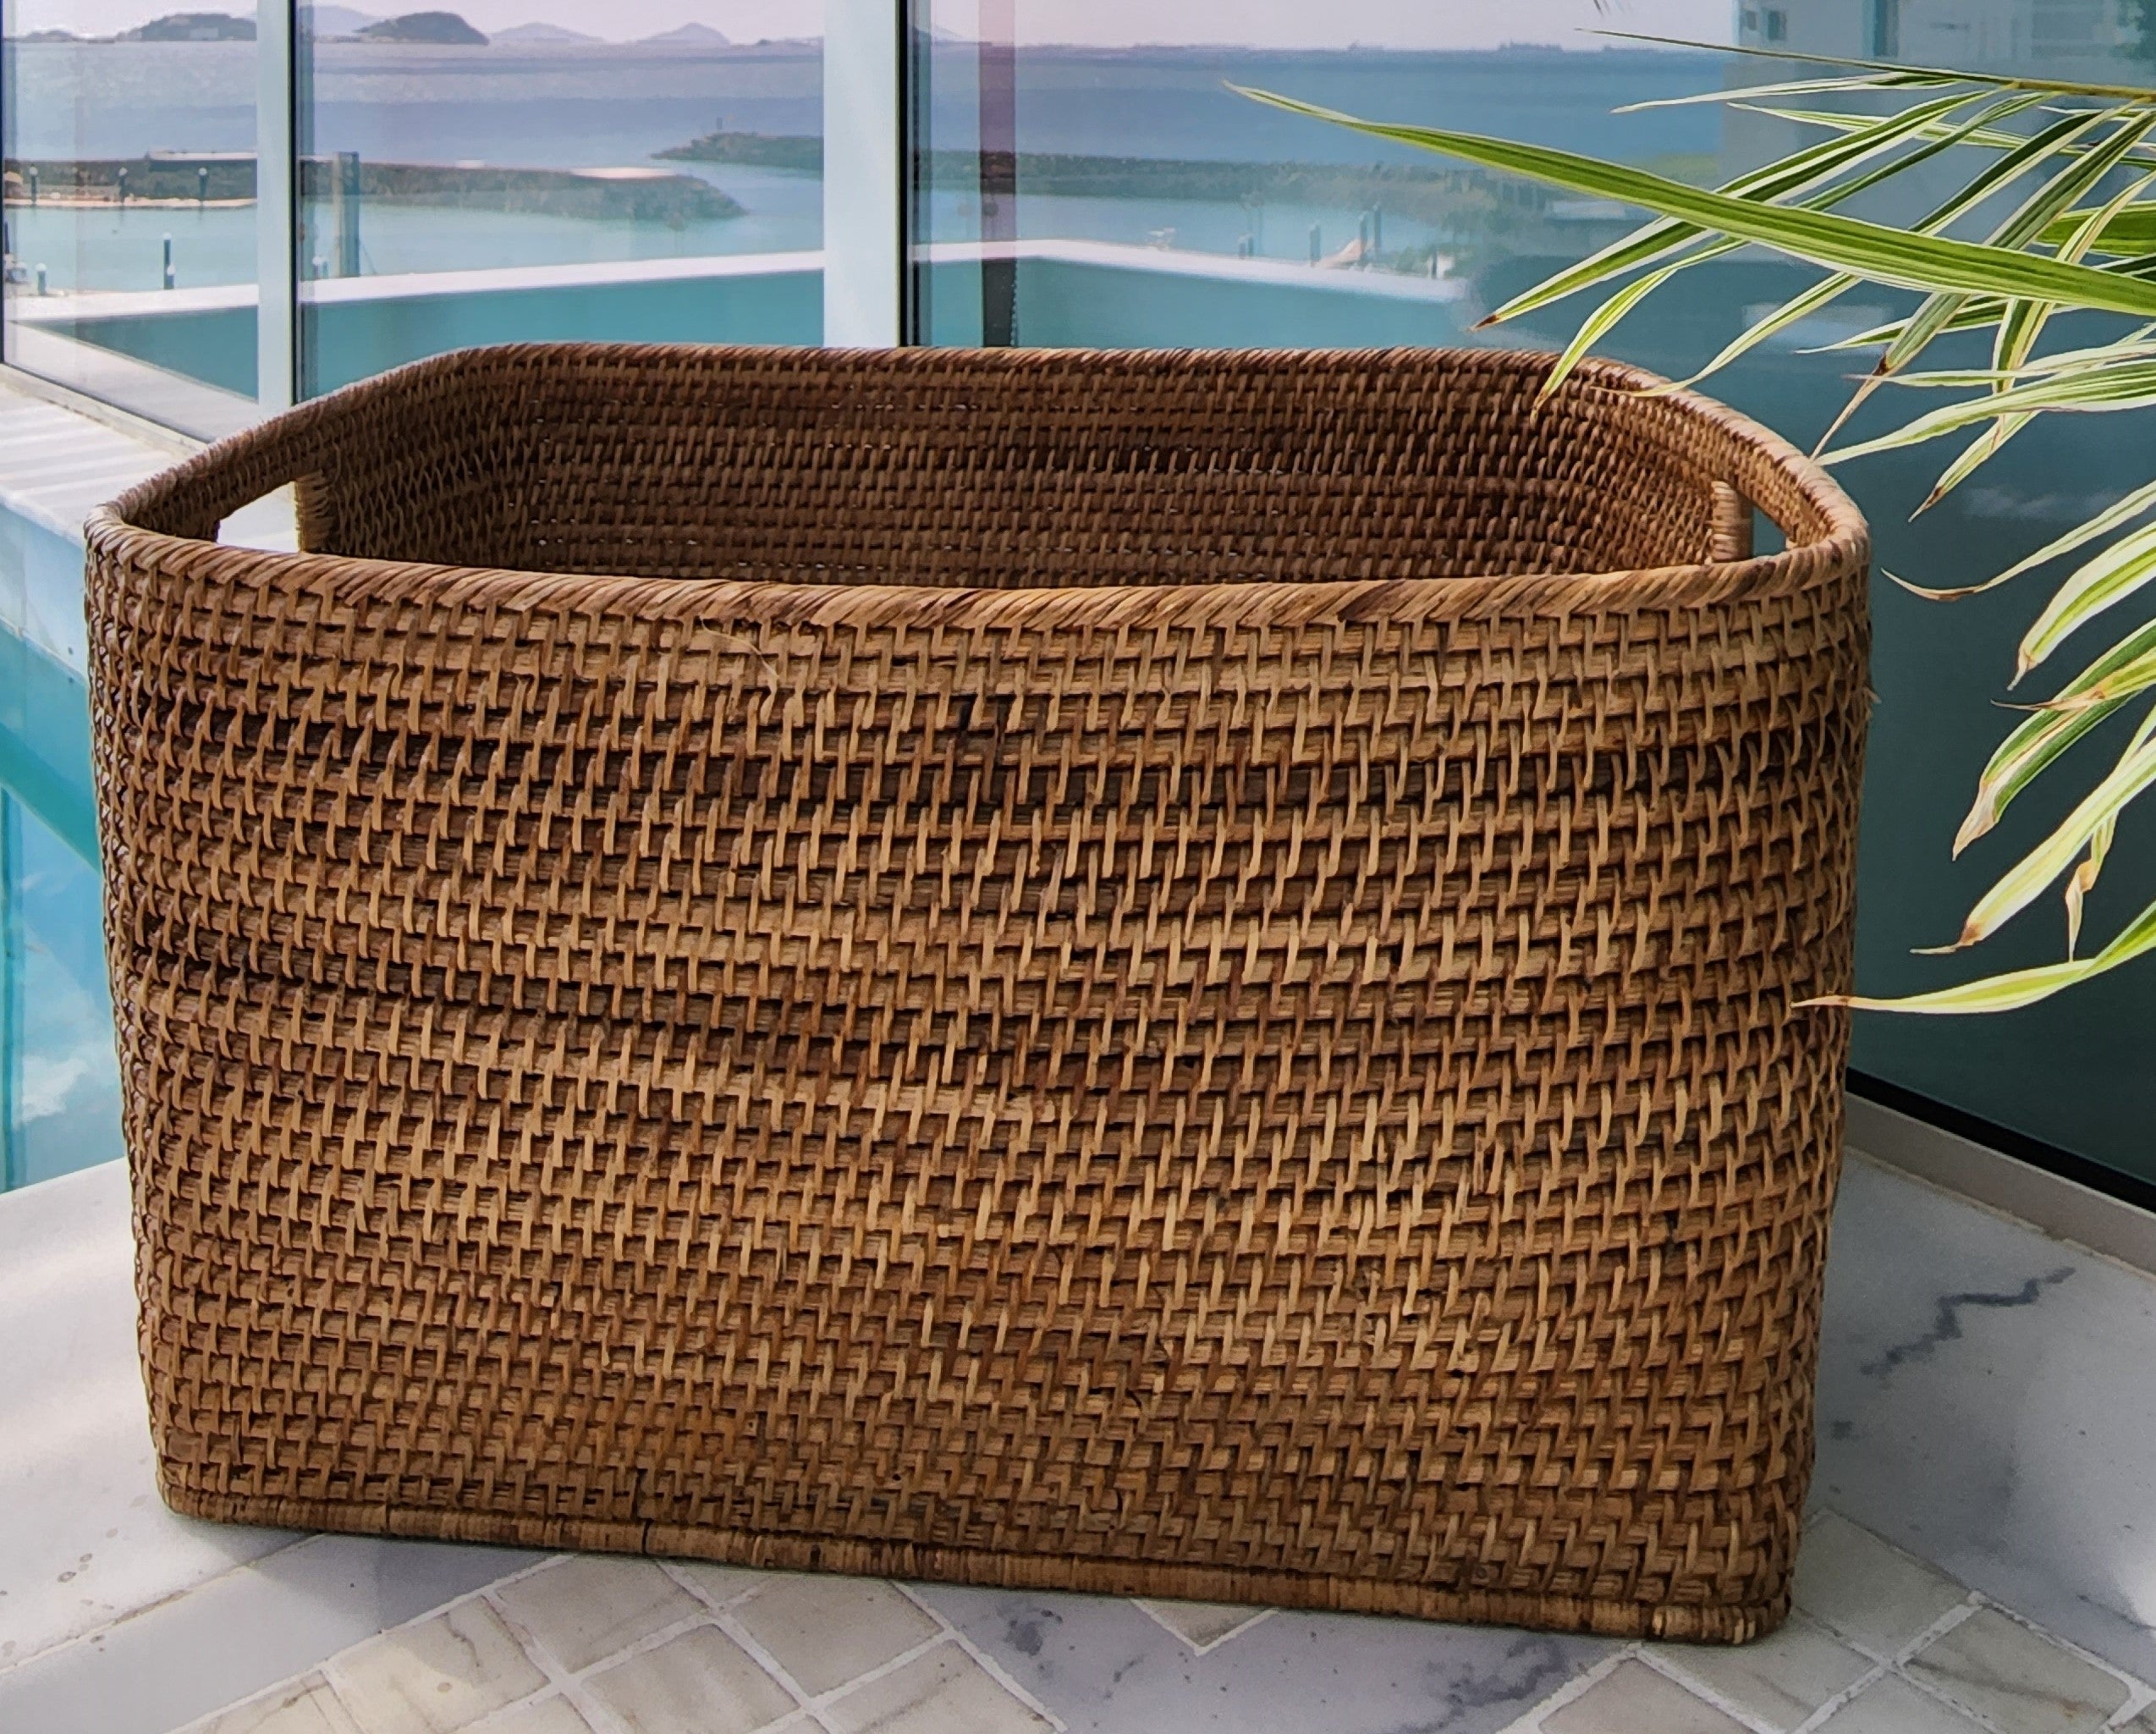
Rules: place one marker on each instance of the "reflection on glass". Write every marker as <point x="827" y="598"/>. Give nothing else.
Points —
<point x="59" y="1086"/>
<point x="58" y="1103"/>
<point x="519" y="169"/>
<point x="1083" y="175"/>
<point x="129" y="140"/>
<point x="1086" y="175"/>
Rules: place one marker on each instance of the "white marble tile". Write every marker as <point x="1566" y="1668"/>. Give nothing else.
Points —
<point x="587" y="1608"/>
<point x="83" y="1537"/>
<point x="1104" y="1667"/>
<point x="826" y="1631"/>
<point x="699" y="1682"/>
<point x="1777" y="1680"/>
<point x="1632" y="1699"/>
<point x="2016" y="1679"/>
<point x="721" y="1585"/>
<point x="539" y="1715"/>
<point x="1874" y="1595"/>
<point x="1985" y="1401"/>
<point x="438" y="1676"/>
<point x="943" y="1690"/>
<point x="226" y="1640"/>
<point x="305" y="1706"/>
<point x="1894" y="1706"/>
<point x="1202" y="1624"/>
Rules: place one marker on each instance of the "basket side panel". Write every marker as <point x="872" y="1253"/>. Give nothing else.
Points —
<point x="1318" y="1105"/>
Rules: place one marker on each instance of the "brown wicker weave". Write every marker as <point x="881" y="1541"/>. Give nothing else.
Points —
<point x="1137" y="988"/>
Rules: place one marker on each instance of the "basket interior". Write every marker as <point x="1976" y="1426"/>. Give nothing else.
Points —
<point x="1008" y="469"/>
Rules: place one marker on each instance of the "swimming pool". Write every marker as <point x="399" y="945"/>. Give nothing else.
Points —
<point x="59" y="1085"/>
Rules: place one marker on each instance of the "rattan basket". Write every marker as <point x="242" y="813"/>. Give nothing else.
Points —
<point x="1086" y="970"/>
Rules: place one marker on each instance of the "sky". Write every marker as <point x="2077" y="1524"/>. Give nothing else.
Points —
<point x="1334" y="23"/>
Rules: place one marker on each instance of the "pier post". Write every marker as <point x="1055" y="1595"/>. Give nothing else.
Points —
<point x="344" y="203"/>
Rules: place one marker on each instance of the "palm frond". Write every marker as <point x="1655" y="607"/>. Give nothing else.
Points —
<point x="2078" y="238"/>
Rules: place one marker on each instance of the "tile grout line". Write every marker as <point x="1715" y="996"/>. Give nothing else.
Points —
<point x="1258" y="1616"/>
<point x="322" y="1666"/>
<point x="1889" y="1666"/>
<point x="724" y="1615"/>
<point x="989" y="1664"/>
<point x="2135" y="1686"/>
<point x="1529" y="1721"/>
<point x="1654" y="1656"/>
<point x="560" y="1679"/>
<point x="345" y="1693"/>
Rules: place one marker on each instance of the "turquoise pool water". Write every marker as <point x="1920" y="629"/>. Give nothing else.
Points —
<point x="59" y="1086"/>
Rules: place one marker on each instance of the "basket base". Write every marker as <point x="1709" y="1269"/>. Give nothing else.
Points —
<point x="1684" y="1622"/>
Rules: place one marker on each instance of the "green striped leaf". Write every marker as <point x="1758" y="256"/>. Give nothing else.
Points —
<point x="2044" y="737"/>
<point x="2132" y="230"/>
<point x="2055" y="194"/>
<point x="2138" y="675"/>
<point x="2082" y="880"/>
<point x="1927" y="263"/>
<point x="2027" y="878"/>
<point x="2102" y="582"/>
<point x="1597" y="325"/>
<point x="1799" y="87"/>
<point x="1831" y="287"/>
<point x="2131" y="386"/>
<point x="1664" y="238"/>
<point x="2122" y="510"/>
<point x="2017" y="987"/>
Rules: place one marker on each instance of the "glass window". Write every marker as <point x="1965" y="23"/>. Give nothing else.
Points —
<point x="527" y="169"/>
<point x="129" y="141"/>
<point x="1082" y="174"/>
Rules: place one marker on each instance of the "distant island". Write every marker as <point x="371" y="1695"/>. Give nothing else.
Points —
<point x="193" y="27"/>
<point x="439" y="28"/>
<point x="335" y="23"/>
<point x="545" y="33"/>
<point x="692" y="36"/>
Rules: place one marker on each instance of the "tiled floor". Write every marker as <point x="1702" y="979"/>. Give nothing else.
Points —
<point x="1881" y="1642"/>
<point x="1984" y="1404"/>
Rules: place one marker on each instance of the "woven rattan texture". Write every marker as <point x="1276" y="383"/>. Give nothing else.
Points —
<point x="1139" y="988"/>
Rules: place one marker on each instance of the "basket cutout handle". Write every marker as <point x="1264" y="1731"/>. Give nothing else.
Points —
<point x="1730" y="536"/>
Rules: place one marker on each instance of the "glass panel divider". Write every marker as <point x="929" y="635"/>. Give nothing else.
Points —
<point x="864" y="173"/>
<point x="276" y="179"/>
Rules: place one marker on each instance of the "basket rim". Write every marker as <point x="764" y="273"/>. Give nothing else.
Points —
<point x="231" y="473"/>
